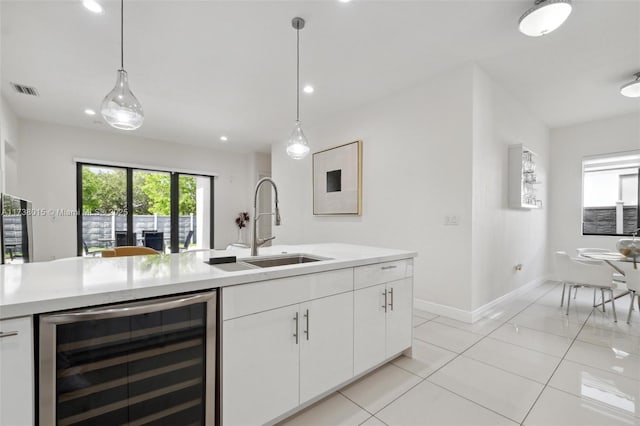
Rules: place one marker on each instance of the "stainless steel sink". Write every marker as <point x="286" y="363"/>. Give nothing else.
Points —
<point x="233" y="267"/>
<point x="282" y="260"/>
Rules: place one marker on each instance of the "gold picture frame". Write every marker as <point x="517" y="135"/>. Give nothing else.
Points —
<point x="337" y="181"/>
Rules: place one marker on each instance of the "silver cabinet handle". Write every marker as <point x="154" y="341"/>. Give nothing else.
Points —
<point x="385" y="301"/>
<point x="307" y="318"/>
<point x="296" y="332"/>
<point x="130" y="309"/>
<point x="8" y="333"/>
<point x="384" y="268"/>
<point x="391" y="304"/>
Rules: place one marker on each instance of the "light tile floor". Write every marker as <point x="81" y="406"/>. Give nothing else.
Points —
<point x="526" y="363"/>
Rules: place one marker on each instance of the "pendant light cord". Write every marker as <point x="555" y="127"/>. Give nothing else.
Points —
<point x="297" y="74"/>
<point x="121" y="34"/>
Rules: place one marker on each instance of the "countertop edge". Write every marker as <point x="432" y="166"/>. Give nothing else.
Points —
<point x="189" y="285"/>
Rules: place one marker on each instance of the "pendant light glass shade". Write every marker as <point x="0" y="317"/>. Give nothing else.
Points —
<point x="120" y="108"/>
<point x="632" y="89"/>
<point x="298" y="146"/>
<point x="545" y="17"/>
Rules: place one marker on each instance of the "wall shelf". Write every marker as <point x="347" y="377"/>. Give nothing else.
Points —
<point x="523" y="178"/>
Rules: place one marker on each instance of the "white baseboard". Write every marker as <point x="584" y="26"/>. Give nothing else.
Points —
<point x="476" y="314"/>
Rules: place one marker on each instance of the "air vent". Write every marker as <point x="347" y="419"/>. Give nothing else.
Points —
<point x="25" y="90"/>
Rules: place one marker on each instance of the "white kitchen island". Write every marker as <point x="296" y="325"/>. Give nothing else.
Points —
<point x="289" y="335"/>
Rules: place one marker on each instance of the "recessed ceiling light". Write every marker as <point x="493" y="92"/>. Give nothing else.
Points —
<point x="344" y="1"/>
<point x="545" y="16"/>
<point x="632" y="89"/>
<point x="224" y="138"/>
<point x="308" y="89"/>
<point x="89" y="111"/>
<point x="92" y="5"/>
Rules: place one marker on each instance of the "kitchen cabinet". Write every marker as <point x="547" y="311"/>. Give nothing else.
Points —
<point x="260" y="366"/>
<point x="382" y="320"/>
<point x="370" y="327"/>
<point x="16" y="372"/>
<point x="399" y="316"/>
<point x="277" y="359"/>
<point x="326" y="344"/>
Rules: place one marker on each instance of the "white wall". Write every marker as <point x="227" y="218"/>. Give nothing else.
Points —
<point x="48" y="176"/>
<point x="568" y="147"/>
<point x="416" y="171"/>
<point x="8" y="149"/>
<point x="504" y="237"/>
<point x="432" y="151"/>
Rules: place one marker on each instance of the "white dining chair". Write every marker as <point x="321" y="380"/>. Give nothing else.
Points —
<point x="579" y="272"/>
<point x="563" y="262"/>
<point x="584" y="252"/>
<point x="632" y="276"/>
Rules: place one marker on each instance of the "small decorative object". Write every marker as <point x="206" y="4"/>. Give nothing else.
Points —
<point x="337" y="180"/>
<point x="523" y="178"/>
<point x="630" y="247"/>
<point x="241" y="221"/>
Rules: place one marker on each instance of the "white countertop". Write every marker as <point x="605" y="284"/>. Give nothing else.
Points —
<point x="78" y="282"/>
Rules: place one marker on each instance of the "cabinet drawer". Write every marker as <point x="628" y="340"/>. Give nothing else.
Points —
<point x="247" y="299"/>
<point x="16" y="372"/>
<point x="366" y="276"/>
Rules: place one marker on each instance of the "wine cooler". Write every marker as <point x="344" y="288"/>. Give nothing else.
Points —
<point x="143" y="363"/>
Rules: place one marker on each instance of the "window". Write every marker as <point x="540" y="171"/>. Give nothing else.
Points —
<point x="167" y="211"/>
<point x="610" y="194"/>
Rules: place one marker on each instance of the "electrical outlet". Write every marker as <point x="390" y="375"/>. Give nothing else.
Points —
<point x="451" y="220"/>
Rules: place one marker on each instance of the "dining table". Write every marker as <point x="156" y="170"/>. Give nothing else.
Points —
<point x="611" y="258"/>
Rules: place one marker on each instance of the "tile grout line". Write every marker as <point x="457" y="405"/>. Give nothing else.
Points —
<point x="598" y="403"/>
<point x="507" y="371"/>
<point x="472" y="401"/>
<point x="481" y="339"/>
<point x="360" y="406"/>
<point x="601" y="369"/>
<point x="454" y="358"/>
<point x="555" y="370"/>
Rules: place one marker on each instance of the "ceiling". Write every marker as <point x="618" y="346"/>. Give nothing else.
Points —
<point x="202" y="69"/>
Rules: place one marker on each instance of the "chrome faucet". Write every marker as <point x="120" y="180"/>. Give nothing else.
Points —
<point x="255" y="241"/>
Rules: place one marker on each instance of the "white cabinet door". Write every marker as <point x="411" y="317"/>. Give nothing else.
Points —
<point x="260" y="366"/>
<point x="326" y="345"/>
<point x="16" y="373"/>
<point x="369" y="327"/>
<point x="399" y="316"/>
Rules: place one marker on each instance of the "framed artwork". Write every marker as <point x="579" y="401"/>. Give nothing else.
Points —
<point x="337" y="180"/>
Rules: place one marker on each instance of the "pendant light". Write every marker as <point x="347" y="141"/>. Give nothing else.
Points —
<point x="632" y="89"/>
<point x="544" y="17"/>
<point x="120" y="108"/>
<point x="298" y="146"/>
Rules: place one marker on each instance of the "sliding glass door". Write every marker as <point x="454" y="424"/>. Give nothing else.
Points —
<point x="123" y="206"/>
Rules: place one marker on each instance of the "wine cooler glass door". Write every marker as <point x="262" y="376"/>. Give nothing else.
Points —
<point x="150" y="362"/>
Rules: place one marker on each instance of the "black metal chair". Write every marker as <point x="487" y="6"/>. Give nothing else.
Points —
<point x="121" y="238"/>
<point x="154" y="240"/>
<point x="187" y="241"/>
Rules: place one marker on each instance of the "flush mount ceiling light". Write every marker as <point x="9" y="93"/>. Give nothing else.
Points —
<point x="632" y="89"/>
<point x="120" y="108"/>
<point x="224" y="138"/>
<point x="298" y="146"/>
<point x="92" y="5"/>
<point x="544" y="17"/>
